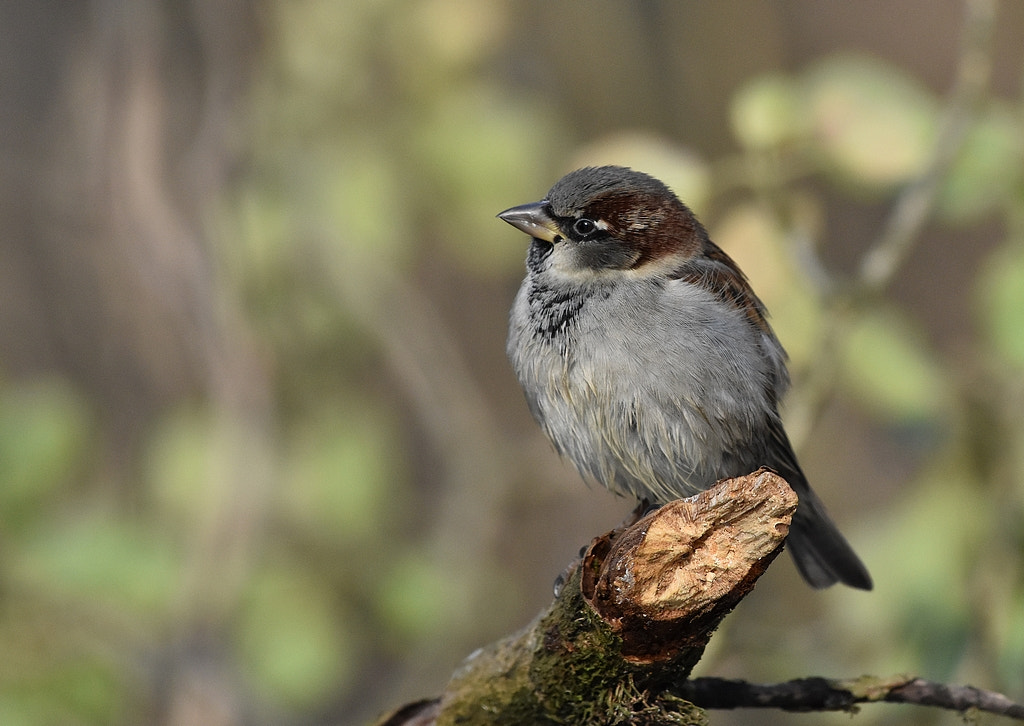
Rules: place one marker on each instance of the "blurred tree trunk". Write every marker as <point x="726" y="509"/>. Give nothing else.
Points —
<point x="120" y="123"/>
<point x="121" y="131"/>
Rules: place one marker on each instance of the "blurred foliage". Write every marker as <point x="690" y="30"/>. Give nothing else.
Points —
<point x="382" y="142"/>
<point x="989" y="174"/>
<point x="872" y="124"/>
<point x="44" y="436"/>
<point x="1001" y="291"/>
<point x="887" y="366"/>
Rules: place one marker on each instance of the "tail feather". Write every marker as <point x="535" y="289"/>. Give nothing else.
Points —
<point x="821" y="553"/>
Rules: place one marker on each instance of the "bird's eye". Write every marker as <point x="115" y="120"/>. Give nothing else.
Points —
<point x="584" y="226"/>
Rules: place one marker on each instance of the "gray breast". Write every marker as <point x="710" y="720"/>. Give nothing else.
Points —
<point x="647" y="388"/>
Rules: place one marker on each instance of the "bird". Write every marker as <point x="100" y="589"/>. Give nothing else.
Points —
<point x="648" y="359"/>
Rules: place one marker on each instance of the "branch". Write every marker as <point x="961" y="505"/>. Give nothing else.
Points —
<point x="881" y="263"/>
<point x="821" y="694"/>
<point x="633" y="617"/>
<point x="887" y="254"/>
<point x="623" y="634"/>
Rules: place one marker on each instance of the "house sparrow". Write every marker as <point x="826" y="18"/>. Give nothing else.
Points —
<point x="647" y="358"/>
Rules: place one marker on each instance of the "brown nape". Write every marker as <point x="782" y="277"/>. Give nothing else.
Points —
<point x="654" y="225"/>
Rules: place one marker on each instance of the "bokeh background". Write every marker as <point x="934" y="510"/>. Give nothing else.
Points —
<point x="262" y="460"/>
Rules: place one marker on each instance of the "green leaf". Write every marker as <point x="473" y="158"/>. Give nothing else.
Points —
<point x="44" y="431"/>
<point x="73" y="693"/>
<point x="291" y="641"/>
<point x="887" y="367"/>
<point x="920" y="550"/>
<point x="418" y="596"/>
<point x="873" y="125"/>
<point x="1011" y="660"/>
<point x="103" y="558"/>
<point x="458" y="34"/>
<point x="765" y="112"/>
<point x="365" y="202"/>
<point x="1000" y="289"/>
<point x="989" y="170"/>
<point x="342" y="471"/>
<point x="179" y="464"/>
<point x="752" y="236"/>
<point x="88" y="689"/>
<point x="479" y="150"/>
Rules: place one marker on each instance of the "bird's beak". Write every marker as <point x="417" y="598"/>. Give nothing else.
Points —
<point x="533" y="219"/>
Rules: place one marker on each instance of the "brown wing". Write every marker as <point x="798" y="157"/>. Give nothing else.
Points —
<point x="717" y="272"/>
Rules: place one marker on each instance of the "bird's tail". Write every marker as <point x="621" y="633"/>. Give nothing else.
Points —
<point x="821" y="553"/>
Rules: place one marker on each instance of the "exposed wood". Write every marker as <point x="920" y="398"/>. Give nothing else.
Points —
<point x="633" y="618"/>
<point x="618" y="643"/>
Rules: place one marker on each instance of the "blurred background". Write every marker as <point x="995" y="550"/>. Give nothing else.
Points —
<point x="262" y="460"/>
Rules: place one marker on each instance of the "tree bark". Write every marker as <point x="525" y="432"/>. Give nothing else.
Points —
<point x="631" y="621"/>
<point x="618" y="643"/>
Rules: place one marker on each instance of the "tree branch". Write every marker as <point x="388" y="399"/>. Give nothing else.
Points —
<point x="619" y="641"/>
<point x="633" y="617"/>
<point x="883" y="260"/>
<point x="821" y="694"/>
<point x="881" y="263"/>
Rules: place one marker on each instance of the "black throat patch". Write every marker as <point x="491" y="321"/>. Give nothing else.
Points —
<point x="553" y="312"/>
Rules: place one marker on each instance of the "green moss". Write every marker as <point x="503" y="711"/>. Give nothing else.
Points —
<point x="565" y="668"/>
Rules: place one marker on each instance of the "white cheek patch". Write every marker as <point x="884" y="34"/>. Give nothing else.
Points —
<point x="566" y="265"/>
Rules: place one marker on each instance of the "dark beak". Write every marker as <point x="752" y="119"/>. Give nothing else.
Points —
<point x="533" y="219"/>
